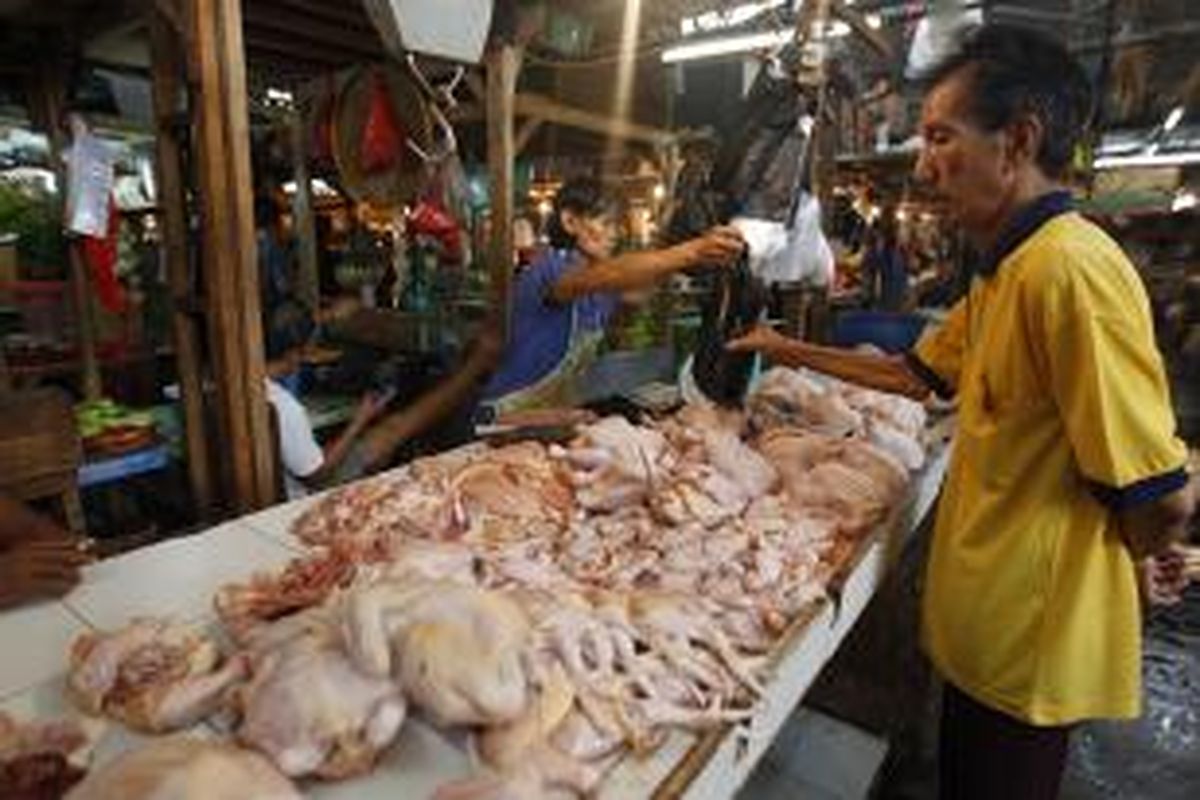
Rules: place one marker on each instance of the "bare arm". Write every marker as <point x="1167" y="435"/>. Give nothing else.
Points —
<point x="885" y="373"/>
<point x="337" y="450"/>
<point x="648" y="267"/>
<point x="18" y="524"/>
<point x="428" y="409"/>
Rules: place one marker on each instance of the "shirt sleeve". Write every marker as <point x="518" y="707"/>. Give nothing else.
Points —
<point x="1109" y="384"/>
<point x="938" y="357"/>
<point x="298" y="448"/>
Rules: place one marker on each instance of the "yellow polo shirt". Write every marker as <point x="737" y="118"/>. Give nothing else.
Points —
<point x="1031" y="602"/>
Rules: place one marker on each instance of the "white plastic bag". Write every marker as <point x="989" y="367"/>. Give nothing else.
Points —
<point x="90" y="181"/>
<point x="808" y="258"/>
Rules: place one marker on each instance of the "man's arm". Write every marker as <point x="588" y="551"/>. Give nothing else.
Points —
<point x="381" y="441"/>
<point x="336" y="451"/>
<point x="648" y="267"/>
<point x="885" y="373"/>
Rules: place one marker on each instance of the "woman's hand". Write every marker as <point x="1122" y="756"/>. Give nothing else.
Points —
<point x="38" y="569"/>
<point x="721" y="245"/>
<point x="762" y="339"/>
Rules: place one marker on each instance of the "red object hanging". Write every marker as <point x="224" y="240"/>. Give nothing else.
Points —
<point x="100" y="255"/>
<point x="382" y="136"/>
<point x="431" y="219"/>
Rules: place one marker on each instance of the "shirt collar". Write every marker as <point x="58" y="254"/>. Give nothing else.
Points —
<point x="1024" y="224"/>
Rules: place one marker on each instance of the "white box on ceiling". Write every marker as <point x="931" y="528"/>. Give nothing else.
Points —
<point x="451" y="29"/>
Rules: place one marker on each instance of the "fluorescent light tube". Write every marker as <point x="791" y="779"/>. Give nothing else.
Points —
<point x="726" y="45"/>
<point x="1173" y="119"/>
<point x="1149" y="160"/>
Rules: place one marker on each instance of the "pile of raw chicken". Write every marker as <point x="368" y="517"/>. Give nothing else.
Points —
<point x="566" y="604"/>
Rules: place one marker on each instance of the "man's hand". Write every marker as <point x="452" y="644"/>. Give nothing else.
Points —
<point x="720" y="245"/>
<point x="39" y="569"/>
<point x="762" y="339"/>
<point x="1164" y="577"/>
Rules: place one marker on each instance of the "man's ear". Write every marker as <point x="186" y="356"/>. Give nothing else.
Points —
<point x="1024" y="140"/>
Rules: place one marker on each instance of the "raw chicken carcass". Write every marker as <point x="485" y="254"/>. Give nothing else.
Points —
<point x="303" y="583"/>
<point x="787" y="398"/>
<point x="185" y="768"/>
<point x="798" y="455"/>
<point x="501" y="495"/>
<point x="904" y="448"/>
<point x="522" y="754"/>
<point x="153" y="675"/>
<point x="616" y="463"/>
<point x="44" y="759"/>
<point x="456" y="650"/>
<point x="312" y="712"/>
<point x="904" y="415"/>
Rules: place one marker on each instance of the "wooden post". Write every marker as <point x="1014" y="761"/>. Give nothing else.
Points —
<point x="229" y="252"/>
<point x="49" y="97"/>
<point x="93" y="388"/>
<point x="503" y="66"/>
<point x="303" y="219"/>
<point x="166" y="72"/>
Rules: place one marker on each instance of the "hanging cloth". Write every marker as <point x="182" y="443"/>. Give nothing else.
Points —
<point x="100" y="255"/>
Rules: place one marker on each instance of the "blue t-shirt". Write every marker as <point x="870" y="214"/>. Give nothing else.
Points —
<point x="541" y="328"/>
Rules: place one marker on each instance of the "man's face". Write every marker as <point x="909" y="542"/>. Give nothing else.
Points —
<point x="967" y="167"/>
<point x="594" y="235"/>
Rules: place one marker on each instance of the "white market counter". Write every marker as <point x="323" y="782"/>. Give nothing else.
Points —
<point x="179" y="577"/>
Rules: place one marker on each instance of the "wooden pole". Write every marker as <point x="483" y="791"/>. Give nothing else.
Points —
<point x="229" y="251"/>
<point x="166" y="73"/>
<point x="303" y="219"/>
<point x="503" y="66"/>
<point x="93" y="388"/>
<point x="5" y="377"/>
<point x="50" y="98"/>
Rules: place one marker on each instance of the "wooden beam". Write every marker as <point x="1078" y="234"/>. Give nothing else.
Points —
<point x="304" y="221"/>
<point x="229" y="251"/>
<point x="858" y="23"/>
<point x="528" y="130"/>
<point x="5" y="376"/>
<point x="311" y="34"/>
<point x="503" y="68"/>
<point x="475" y="86"/>
<point x="550" y="110"/>
<point x="166" y="74"/>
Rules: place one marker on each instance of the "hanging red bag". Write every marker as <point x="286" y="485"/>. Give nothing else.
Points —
<point x="431" y="219"/>
<point x="382" y="136"/>
<point x="101" y="258"/>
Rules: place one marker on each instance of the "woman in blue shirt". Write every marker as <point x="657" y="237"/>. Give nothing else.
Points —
<point x="563" y="302"/>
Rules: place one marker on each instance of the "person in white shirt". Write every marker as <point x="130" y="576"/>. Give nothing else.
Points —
<point x="365" y="444"/>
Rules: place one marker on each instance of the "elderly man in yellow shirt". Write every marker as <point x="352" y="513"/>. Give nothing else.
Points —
<point x="1065" y="470"/>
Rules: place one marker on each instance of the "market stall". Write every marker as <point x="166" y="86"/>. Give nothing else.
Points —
<point x="627" y="584"/>
<point x="179" y="580"/>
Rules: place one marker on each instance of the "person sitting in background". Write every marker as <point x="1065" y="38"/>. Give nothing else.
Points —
<point x="368" y="442"/>
<point x="38" y="559"/>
